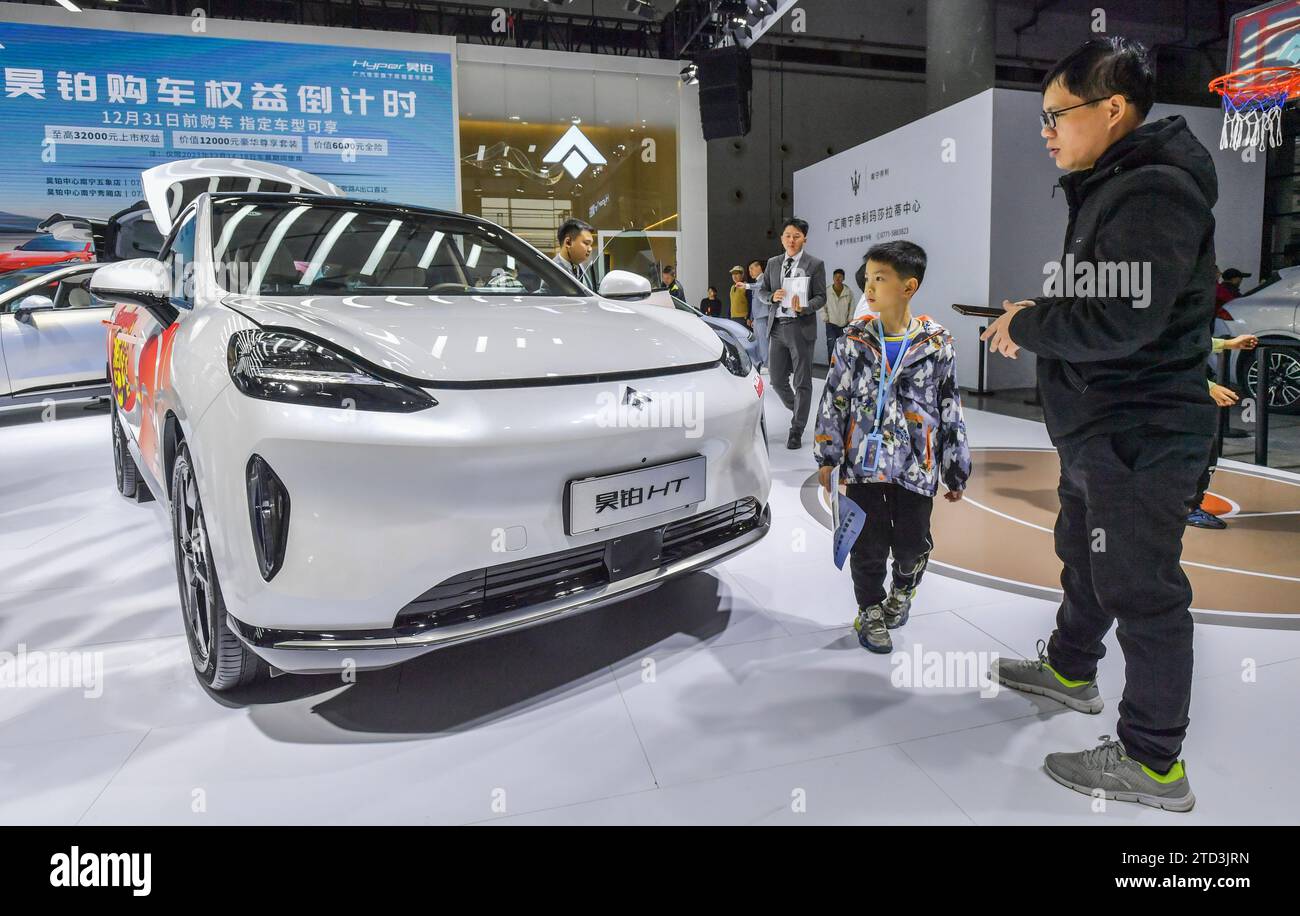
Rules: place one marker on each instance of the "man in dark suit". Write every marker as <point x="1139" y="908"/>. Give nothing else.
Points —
<point x="577" y="239"/>
<point x="792" y="330"/>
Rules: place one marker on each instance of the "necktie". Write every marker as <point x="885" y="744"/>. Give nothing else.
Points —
<point x="789" y="268"/>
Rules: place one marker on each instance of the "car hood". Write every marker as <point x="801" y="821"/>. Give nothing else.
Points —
<point x="492" y="338"/>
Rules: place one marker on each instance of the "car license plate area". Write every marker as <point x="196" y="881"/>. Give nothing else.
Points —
<point x="632" y="554"/>
<point x="599" y="502"/>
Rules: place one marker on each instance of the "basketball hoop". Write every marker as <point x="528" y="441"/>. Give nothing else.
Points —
<point x="1252" y="105"/>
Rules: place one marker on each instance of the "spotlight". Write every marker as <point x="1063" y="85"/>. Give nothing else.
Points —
<point x="690" y="75"/>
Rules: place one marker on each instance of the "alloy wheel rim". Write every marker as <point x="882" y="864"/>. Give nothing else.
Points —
<point x="118" y="471"/>
<point x="195" y="574"/>
<point x="1284" y="379"/>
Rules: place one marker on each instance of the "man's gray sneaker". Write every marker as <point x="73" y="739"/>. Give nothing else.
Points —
<point x="1038" y="677"/>
<point x="897" y="606"/>
<point x="1108" y="770"/>
<point x="873" y="635"/>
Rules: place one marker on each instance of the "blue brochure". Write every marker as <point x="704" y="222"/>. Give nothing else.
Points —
<point x="847" y="518"/>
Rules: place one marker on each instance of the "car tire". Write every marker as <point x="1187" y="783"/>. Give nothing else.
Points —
<point x="1284" y="374"/>
<point x="220" y="660"/>
<point x="129" y="482"/>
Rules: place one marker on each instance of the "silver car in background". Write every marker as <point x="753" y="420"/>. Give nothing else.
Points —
<point x="51" y="335"/>
<point x="1270" y="312"/>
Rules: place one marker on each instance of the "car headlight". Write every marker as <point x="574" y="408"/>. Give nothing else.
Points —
<point x="281" y="366"/>
<point x="735" y="358"/>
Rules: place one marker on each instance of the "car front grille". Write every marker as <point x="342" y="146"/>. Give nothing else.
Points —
<point x="700" y="532"/>
<point x="494" y="590"/>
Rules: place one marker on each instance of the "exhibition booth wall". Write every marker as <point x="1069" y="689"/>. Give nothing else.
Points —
<point x="625" y="148"/>
<point x="521" y="137"/>
<point x="92" y="99"/>
<point x="974" y="186"/>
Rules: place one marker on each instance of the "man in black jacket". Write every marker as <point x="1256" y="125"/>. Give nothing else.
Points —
<point x="1121" y="346"/>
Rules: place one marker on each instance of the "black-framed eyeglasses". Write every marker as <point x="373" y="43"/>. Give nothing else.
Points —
<point x="1049" y="117"/>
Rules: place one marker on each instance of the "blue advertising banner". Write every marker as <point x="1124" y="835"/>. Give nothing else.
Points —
<point x="86" y="110"/>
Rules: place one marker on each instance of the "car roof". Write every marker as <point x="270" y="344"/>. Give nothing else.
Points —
<point x="321" y="200"/>
<point x="54" y="272"/>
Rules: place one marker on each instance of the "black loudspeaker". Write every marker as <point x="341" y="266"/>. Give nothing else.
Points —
<point x="1183" y="75"/>
<point x="726" y="82"/>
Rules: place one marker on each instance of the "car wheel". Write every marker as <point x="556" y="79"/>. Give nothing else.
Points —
<point x="1283" y="377"/>
<point x="129" y="482"/>
<point x="221" y="661"/>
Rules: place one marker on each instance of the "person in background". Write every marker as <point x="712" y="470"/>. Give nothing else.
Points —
<point x="1224" y="397"/>
<point x="711" y="305"/>
<point x="1228" y="287"/>
<point x="760" y="309"/>
<point x="670" y="281"/>
<point x="839" y="310"/>
<point x="576" y="240"/>
<point x="739" y="297"/>
<point x="793" y="326"/>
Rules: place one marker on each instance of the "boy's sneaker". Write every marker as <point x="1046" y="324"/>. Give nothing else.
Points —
<point x="1108" y="770"/>
<point x="897" y="607"/>
<point x="873" y="635"/>
<point x="1040" y="678"/>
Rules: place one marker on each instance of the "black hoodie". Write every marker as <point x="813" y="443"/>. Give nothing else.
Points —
<point x="1106" y="364"/>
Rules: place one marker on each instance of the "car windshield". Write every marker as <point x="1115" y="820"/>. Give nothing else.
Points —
<point x="1288" y="277"/>
<point x="16" y="278"/>
<point x="50" y="243"/>
<point x="301" y="246"/>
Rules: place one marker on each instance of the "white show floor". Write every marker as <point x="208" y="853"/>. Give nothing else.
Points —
<point x="761" y="702"/>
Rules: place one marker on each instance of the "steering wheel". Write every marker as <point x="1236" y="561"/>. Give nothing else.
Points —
<point x="448" y="288"/>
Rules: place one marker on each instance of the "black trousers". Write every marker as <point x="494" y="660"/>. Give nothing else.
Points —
<point x="1119" y="535"/>
<point x="833" y="332"/>
<point x="1203" y="483"/>
<point x="898" y="522"/>
<point x="792" y="355"/>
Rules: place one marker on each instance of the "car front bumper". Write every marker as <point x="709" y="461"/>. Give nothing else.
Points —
<point x="385" y="508"/>
<point x="317" y="652"/>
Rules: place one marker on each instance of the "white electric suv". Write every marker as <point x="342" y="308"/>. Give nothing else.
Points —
<point x="384" y="429"/>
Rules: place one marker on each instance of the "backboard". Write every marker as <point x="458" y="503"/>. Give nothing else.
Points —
<point x="1266" y="36"/>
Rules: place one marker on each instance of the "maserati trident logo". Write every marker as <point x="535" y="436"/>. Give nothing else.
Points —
<point x="634" y="398"/>
<point x="855" y="180"/>
<point x="575" y="152"/>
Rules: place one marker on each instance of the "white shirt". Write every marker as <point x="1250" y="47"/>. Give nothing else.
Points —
<point x="839" y="306"/>
<point x="783" y="308"/>
<point x="577" y="271"/>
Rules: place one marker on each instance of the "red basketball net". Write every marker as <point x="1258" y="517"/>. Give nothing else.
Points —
<point x="1252" y="105"/>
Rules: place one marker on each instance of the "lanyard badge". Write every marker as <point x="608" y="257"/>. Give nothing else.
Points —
<point x="875" y="440"/>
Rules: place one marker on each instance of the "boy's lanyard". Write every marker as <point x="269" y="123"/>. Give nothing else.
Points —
<point x="888" y="374"/>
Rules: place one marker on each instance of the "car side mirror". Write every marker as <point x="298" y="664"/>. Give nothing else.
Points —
<point x="623" y="284"/>
<point x="28" y="304"/>
<point x="143" y="280"/>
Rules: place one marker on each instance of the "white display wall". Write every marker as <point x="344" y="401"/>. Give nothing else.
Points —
<point x="989" y="218"/>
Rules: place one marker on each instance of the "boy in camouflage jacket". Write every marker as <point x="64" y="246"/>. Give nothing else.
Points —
<point x="923" y="437"/>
